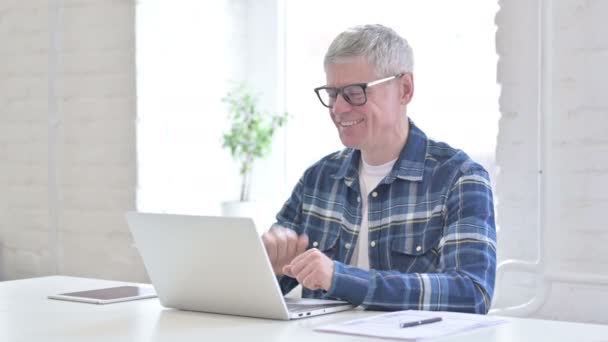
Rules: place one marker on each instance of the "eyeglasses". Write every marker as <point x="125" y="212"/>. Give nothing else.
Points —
<point x="354" y="94"/>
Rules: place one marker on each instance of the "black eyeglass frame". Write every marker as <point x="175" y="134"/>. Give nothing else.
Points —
<point x="363" y="86"/>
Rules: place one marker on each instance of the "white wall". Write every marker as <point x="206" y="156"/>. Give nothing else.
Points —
<point x="68" y="114"/>
<point x="571" y="60"/>
<point x="67" y="139"/>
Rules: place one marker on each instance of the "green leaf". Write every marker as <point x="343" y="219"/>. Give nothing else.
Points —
<point x="251" y="130"/>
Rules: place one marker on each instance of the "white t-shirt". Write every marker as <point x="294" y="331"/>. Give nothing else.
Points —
<point x="369" y="177"/>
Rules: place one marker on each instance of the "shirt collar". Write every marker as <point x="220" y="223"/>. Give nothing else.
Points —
<point x="409" y="165"/>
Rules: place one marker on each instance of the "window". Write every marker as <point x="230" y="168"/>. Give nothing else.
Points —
<point x="456" y="95"/>
<point x="187" y="53"/>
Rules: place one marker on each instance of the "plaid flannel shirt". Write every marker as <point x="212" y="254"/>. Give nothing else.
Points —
<point x="432" y="237"/>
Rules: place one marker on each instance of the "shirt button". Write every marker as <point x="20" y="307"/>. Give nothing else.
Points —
<point x="347" y="245"/>
<point x="375" y="194"/>
<point x="315" y="244"/>
<point x="418" y="248"/>
<point x="373" y="243"/>
<point x="359" y="199"/>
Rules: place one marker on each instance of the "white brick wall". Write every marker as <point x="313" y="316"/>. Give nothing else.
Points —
<point x="83" y="179"/>
<point x="577" y="170"/>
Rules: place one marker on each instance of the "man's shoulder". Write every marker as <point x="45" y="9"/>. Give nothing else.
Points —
<point x="446" y="156"/>
<point x="331" y="163"/>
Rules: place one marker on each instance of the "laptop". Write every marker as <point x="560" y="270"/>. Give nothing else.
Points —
<point x="217" y="265"/>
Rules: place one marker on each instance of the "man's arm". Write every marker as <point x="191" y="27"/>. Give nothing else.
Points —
<point x="290" y="217"/>
<point x="465" y="281"/>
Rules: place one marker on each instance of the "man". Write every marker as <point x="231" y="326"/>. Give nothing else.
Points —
<point x="395" y="221"/>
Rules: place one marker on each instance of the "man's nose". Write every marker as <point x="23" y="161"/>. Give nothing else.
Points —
<point x="340" y="105"/>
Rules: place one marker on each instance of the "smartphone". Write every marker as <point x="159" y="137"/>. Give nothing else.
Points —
<point x="108" y="295"/>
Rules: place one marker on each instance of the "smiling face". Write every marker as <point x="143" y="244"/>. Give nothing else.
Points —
<point x="379" y="127"/>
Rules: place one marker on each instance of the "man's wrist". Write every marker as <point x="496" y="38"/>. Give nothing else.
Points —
<point x="349" y="283"/>
<point x="329" y="282"/>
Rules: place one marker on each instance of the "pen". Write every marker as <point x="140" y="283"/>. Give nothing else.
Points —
<point x="420" y="322"/>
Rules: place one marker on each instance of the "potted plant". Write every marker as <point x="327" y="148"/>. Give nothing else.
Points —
<point x="248" y="138"/>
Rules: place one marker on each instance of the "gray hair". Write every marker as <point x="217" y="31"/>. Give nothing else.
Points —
<point x="379" y="45"/>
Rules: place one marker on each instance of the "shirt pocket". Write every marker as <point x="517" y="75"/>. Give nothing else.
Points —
<point x="324" y="240"/>
<point x="415" y="253"/>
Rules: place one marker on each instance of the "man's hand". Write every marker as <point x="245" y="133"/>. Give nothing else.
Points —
<point x="282" y="246"/>
<point x="313" y="269"/>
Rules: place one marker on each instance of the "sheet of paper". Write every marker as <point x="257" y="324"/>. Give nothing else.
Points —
<point x="388" y="325"/>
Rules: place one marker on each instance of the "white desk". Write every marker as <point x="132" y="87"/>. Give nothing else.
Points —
<point x="27" y="315"/>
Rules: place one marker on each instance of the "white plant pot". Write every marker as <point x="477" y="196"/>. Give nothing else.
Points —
<point x="260" y="212"/>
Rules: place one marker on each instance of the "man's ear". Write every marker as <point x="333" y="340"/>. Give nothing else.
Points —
<point x="406" y="88"/>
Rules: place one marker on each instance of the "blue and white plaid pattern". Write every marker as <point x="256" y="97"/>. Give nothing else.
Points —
<point x="432" y="238"/>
